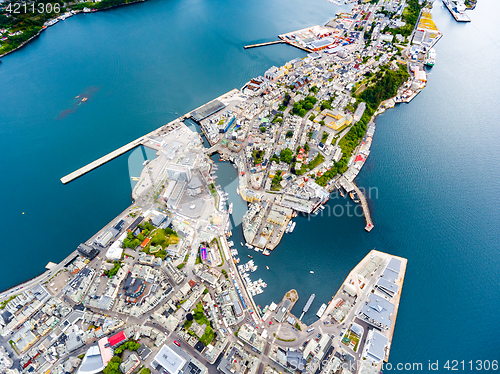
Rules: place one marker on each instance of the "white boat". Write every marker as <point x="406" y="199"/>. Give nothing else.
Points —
<point x="312" y="272"/>
<point x="267" y="267"/>
<point x="292" y="227"/>
<point x="249" y="246"/>
<point x="231" y="243"/>
<point x="431" y="57"/>
<point x="321" y="310"/>
<point x="230" y="210"/>
<point x="287" y="230"/>
<point x="241" y="243"/>
<point x="145" y="163"/>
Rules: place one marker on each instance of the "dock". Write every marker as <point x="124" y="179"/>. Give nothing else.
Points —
<point x="264" y="44"/>
<point x="459" y="17"/>
<point x="306" y="307"/>
<point x="366" y="211"/>
<point x="278" y="42"/>
<point x="101" y="161"/>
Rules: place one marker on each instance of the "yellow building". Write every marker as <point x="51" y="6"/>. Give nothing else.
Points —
<point x="250" y="195"/>
<point x="334" y="119"/>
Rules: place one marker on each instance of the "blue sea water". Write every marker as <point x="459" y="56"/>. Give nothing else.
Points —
<point x="433" y="161"/>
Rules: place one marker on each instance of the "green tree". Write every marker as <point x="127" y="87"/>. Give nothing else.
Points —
<point x="289" y="133"/>
<point x="286" y="155"/>
<point x="326" y="105"/>
<point x="113" y="366"/>
<point x="263" y="129"/>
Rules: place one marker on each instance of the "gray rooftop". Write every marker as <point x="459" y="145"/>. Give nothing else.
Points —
<point x="394" y="264"/>
<point x="158" y="219"/>
<point x="356" y="329"/>
<point x="390" y="275"/>
<point x="389" y="286"/>
<point x="295" y="359"/>
<point x="376" y="346"/>
<point x="378" y="309"/>
<point x="170" y="360"/>
<point x="195" y="183"/>
<point x="92" y="362"/>
<point x="207" y="110"/>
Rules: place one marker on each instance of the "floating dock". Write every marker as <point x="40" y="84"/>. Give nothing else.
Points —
<point x="307" y="306"/>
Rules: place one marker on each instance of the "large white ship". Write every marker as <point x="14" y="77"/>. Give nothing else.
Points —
<point x="431" y="57"/>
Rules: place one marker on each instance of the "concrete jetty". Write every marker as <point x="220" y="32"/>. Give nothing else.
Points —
<point x="296" y="45"/>
<point x="264" y="44"/>
<point x="101" y="161"/>
<point x="366" y="211"/>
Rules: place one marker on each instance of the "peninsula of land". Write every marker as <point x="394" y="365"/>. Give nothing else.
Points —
<point x="21" y="22"/>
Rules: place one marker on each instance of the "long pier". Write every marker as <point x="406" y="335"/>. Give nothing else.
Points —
<point x="101" y="161"/>
<point x="366" y="211"/>
<point x="278" y="42"/>
<point x="264" y="44"/>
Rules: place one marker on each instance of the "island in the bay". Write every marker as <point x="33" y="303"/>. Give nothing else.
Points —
<point x="162" y="287"/>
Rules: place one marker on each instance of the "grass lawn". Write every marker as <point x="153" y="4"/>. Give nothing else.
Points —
<point x="351" y="338"/>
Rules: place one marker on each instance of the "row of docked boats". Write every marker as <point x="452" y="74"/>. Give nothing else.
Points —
<point x="249" y="246"/>
<point x="62" y="17"/>
<point x="249" y="266"/>
<point x="265" y="252"/>
<point x="254" y="288"/>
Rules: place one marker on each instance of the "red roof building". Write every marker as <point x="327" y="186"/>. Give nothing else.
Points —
<point x="192" y="283"/>
<point x="117" y="339"/>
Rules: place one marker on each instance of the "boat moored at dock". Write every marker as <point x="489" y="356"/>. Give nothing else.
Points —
<point x="431" y="57"/>
<point x="321" y="311"/>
